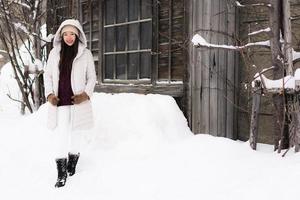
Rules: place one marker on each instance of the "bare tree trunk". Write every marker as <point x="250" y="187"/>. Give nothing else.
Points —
<point x="278" y="72"/>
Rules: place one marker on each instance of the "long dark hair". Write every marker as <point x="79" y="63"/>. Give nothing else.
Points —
<point x="67" y="54"/>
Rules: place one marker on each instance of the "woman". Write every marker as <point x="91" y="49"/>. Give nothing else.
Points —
<point x="69" y="83"/>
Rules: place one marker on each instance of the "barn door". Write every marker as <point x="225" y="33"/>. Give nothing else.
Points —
<point x="213" y="72"/>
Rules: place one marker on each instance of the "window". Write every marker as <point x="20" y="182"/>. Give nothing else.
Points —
<point x="127" y="40"/>
<point x="136" y="41"/>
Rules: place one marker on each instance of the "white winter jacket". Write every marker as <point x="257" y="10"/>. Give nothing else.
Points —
<point x="83" y="78"/>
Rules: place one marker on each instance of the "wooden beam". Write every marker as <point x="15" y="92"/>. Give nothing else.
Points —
<point x="175" y="90"/>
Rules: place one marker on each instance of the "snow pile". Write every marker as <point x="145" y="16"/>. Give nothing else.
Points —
<point x="140" y="148"/>
<point x="8" y="86"/>
<point x="148" y="119"/>
<point x="133" y="122"/>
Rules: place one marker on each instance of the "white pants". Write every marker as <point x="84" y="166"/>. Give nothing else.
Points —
<point x="65" y="139"/>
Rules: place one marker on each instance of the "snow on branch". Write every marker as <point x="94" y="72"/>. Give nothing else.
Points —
<point x="19" y="2"/>
<point x="48" y="38"/>
<point x="199" y="41"/>
<point x="266" y="30"/>
<point x="296" y="55"/>
<point x="36" y="4"/>
<point x="238" y="4"/>
<point x="288" y="82"/>
<point x="21" y="27"/>
<point x="3" y="51"/>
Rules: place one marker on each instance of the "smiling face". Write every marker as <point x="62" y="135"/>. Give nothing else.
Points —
<point x="69" y="38"/>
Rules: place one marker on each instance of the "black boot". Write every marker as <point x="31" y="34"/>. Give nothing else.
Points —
<point x="61" y="172"/>
<point x="72" y="162"/>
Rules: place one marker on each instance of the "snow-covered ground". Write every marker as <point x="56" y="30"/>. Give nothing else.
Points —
<point x="140" y="149"/>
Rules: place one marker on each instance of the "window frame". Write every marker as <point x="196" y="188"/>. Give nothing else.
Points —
<point x="156" y="67"/>
<point x="126" y="52"/>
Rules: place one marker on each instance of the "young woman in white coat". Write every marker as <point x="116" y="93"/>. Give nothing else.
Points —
<point x="69" y="83"/>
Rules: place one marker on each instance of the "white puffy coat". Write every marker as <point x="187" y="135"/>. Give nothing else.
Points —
<point x="83" y="78"/>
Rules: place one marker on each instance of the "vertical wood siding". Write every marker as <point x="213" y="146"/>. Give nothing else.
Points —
<point x="212" y="72"/>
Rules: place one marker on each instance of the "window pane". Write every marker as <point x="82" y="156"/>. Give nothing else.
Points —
<point x="134" y="9"/>
<point x="133" y="35"/>
<point x="121" y="66"/>
<point x="110" y="11"/>
<point x="146" y="9"/>
<point x="133" y="61"/>
<point x="86" y="27"/>
<point x="109" y="39"/>
<point x="95" y="25"/>
<point x="121" y="38"/>
<point x="96" y="67"/>
<point x="145" y="65"/>
<point x="146" y="35"/>
<point x="95" y="35"/>
<point x="95" y="55"/>
<point x="95" y="9"/>
<point x="122" y="10"/>
<point x="85" y="12"/>
<point x="95" y="45"/>
<point x="109" y="66"/>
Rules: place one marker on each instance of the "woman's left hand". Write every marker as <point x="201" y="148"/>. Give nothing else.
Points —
<point x="79" y="98"/>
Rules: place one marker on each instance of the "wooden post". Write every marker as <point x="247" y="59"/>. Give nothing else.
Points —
<point x="287" y="27"/>
<point x="257" y="91"/>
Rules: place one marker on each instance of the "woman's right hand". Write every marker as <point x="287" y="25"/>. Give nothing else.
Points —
<point x="53" y="99"/>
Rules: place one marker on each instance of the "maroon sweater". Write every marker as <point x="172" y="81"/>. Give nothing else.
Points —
<point x="64" y="87"/>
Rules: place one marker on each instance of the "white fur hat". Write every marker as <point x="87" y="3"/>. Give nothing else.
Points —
<point x="69" y="28"/>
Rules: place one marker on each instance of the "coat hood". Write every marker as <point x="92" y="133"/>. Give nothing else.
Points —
<point x="75" y="23"/>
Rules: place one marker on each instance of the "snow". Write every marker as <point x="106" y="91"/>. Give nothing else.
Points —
<point x="296" y="55"/>
<point x="198" y="40"/>
<point x="3" y="51"/>
<point x="36" y="66"/>
<point x="22" y="4"/>
<point x="287" y="82"/>
<point x="20" y="26"/>
<point x="239" y="4"/>
<point x="140" y="148"/>
<point x="266" y="30"/>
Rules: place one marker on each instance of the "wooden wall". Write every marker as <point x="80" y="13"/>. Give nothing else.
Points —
<point x="213" y="74"/>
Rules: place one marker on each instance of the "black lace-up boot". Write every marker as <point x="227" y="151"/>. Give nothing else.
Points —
<point x="72" y="162"/>
<point x="61" y="172"/>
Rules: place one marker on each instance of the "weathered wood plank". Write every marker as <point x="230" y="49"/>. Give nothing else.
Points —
<point x="196" y="72"/>
<point x="214" y="69"/>
<point x="232" y="73"/>
<point x="222" y="65"/>
<point x="205" y="64"/>
<point x="175" y="90"/>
